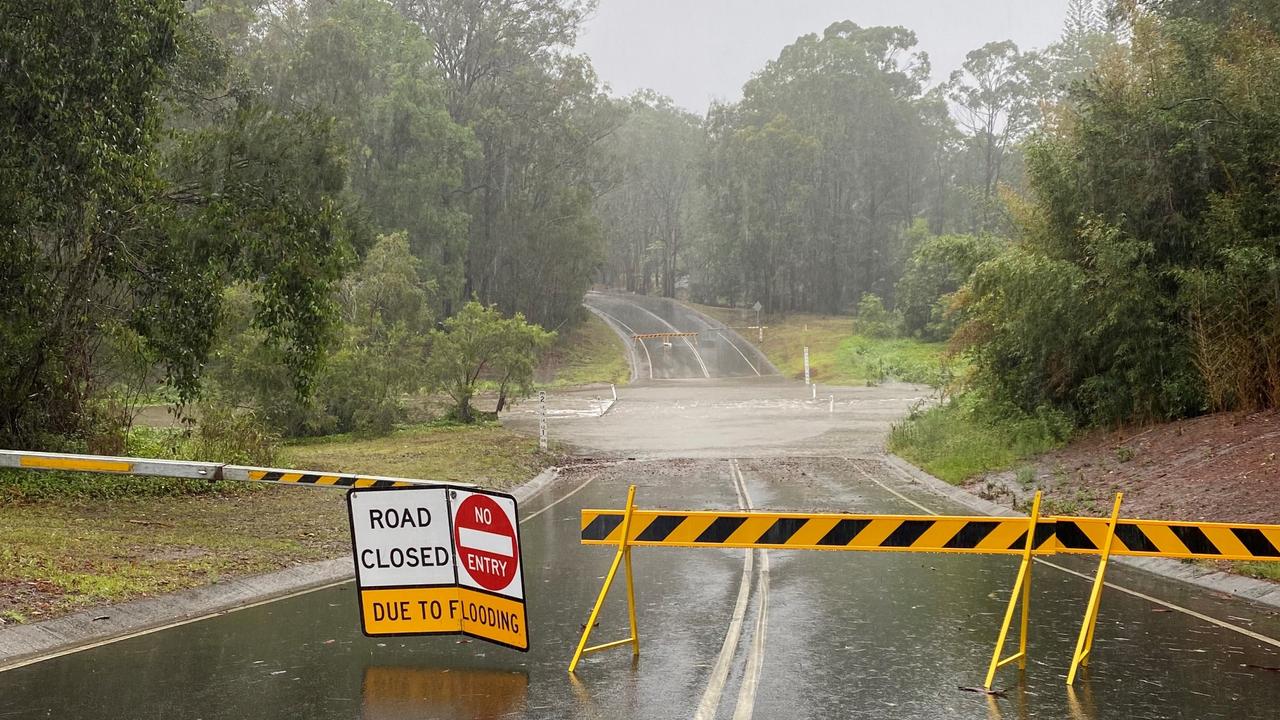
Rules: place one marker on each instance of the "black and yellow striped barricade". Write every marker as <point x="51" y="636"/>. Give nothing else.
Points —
<point x="629" y="527"/>
<point x="1028" y="537"/>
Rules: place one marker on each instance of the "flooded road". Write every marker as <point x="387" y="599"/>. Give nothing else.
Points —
<point x="724" y="633"/>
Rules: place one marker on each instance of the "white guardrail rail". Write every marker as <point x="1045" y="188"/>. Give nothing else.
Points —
<point x="213" y="472"/>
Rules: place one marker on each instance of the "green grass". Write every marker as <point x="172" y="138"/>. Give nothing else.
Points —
<point x="589" y="353"/>
<point x="836" y="355"/>
<point x="59" y="556"/>
<point x="961" y="439"/>
<point x="71" y="540"/>
<point x="1263" y="570"/>
<point x="483" y="453"/>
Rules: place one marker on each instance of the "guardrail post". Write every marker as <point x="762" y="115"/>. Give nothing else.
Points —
<point x="1020" y="586"/>
<point x="624" y="554"/>
<point x="1084" y="643"/>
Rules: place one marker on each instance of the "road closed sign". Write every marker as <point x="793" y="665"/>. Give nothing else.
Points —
<point x="437" y="561"/>
<point x="490" y="574"/>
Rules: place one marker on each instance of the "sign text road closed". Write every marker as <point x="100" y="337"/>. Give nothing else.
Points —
<point x="490" y="576"/>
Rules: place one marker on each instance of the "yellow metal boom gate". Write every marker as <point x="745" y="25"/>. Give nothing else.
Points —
<point x="195" y="470"/>
<point x="1027" y="537"/>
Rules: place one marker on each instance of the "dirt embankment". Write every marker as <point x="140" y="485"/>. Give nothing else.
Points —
<point x="1223" y="467"/>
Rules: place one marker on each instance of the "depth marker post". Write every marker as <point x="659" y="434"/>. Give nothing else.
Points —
<point x="542" y="419"/>
<point x="1023" y="583"/>
<point x="624" y="553"/>
<point x="1084" y="643"/>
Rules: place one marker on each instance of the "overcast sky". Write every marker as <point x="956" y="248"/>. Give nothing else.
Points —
<point x="696" y="51"/>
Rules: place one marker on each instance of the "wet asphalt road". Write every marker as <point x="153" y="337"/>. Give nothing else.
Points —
<point x="716" y="352"/>
<point x="724" y="633"/>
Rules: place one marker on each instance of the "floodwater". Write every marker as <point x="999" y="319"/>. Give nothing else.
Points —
<point x="861" y="635"/>
<point x="776" y="634"/>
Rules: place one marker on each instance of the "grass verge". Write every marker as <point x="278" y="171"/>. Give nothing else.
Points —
<point x="963" y="438"/>
<point x="69" y="541"/>
<point x="589" y="353"/>
<point x="486" y="454"/>
<point x="836" y="355"/>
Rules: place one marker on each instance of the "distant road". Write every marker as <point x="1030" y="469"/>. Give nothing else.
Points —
<point x="717" y="352"/>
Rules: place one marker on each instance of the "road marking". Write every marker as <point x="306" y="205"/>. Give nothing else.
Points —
<point x="735" y="347"/>
<point x="1199" y="616"/>
<point x="755" y="660"/>
<point x="1163" y="603"/>
<point x="648" y="358"/>
<point x="720" y="671"/>
<point x="697" y="355"/>
<point x="167" y="626"/>
<point x="556" y="502"/>
<point x="900" y="496"/>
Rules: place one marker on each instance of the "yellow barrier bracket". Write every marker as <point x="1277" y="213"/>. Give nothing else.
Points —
<point x="1021" y="585"/>
<point x="624" y="558"/>
<point x="1084" y="643"/>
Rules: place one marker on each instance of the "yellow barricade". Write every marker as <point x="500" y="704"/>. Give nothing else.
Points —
<point x="1028" y="537"/>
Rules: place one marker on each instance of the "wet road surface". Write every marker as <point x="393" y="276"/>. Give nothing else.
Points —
<point x="716" y="352"/>
<point x="724" y="633"/>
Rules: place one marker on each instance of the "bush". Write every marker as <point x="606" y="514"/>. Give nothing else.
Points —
<point x="873" y="320"/>
<point x="939" y="267"/>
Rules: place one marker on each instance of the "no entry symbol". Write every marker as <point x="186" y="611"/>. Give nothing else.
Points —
<point x="486" y="542"/>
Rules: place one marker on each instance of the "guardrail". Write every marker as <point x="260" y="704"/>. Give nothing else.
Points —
<point x="1029" y="537"/>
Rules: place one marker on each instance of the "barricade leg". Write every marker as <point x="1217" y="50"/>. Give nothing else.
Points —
<point x="622" y="557"/>
<point x="1021" y="586"/>
<point x="1084" y="643"/>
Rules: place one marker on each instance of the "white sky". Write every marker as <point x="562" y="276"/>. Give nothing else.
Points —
<point x="696" y="51"/>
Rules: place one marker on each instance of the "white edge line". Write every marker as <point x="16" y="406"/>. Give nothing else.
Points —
<point x="168" y="626"/>
<point x="557" y="501"/>
<point x="735" y="347"/>
<point x="648" y="358"/>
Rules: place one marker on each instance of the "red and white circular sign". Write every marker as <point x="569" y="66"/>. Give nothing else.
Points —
<point x="486" y="542"/>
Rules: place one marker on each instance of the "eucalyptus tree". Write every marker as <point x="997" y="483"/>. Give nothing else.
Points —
<point x="538" y="116"/>
<point x="994" y="95"/>
<point x="814" y="175"/>
<point x="648" y="215"/>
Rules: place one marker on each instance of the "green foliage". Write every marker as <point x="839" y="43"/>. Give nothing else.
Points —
<point x="374" y="361"/>
<point x="221" y="435"/>
<point x="873" y="320"/>
<point x="538" y="116"/>
<point x="1146" y="288"/>
<point x="479" y="342"/>
<point x="118" y="229"/>
<point x="872" y="360"/>
<point x="811" y="179"/>
<point x="364" y="64"/>
<point x="649" y="217"/>
<point x="963" y="438"/>
<point x="939" y="266"/>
